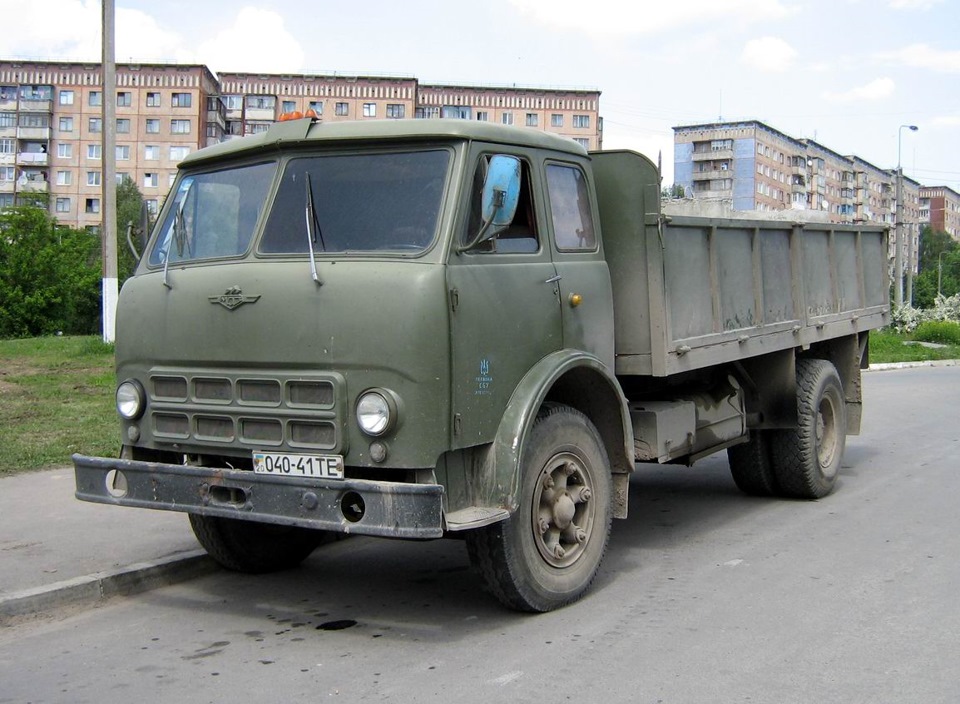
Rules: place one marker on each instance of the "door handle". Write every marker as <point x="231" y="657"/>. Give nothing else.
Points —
<point x="553" y="279"/>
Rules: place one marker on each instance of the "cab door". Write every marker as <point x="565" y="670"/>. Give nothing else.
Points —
<point x="504" y="306"/>
<point x="586" y="294"/>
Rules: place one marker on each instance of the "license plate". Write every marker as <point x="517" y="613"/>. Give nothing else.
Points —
<point x="289" y="465"/>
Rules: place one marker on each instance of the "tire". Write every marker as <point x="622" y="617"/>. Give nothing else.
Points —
<point x="548" y="552"/>
<point x="751" y="465"/>
<point x="256" y="548"/>
<point x="806" y="461"/>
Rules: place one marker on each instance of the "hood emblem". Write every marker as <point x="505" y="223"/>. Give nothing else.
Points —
<point x="233" y="298"/>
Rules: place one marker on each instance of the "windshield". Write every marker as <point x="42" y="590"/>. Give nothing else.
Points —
<point x="213" y="214"/>
<point x="357" y="202"/>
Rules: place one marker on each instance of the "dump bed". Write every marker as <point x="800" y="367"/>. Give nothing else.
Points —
<point x="693" y="292"/>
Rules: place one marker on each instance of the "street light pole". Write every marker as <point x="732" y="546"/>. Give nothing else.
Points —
<point x="898" y="254"/>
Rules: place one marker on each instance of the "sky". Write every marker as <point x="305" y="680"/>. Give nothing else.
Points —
<point x="846" y="73"/>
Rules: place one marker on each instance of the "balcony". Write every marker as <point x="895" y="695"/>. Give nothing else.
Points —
<point x="40" y="133"/>
<point x="8" y="131"/>
<point x="6" y="186"/>
<point x="27" y="105"/>
<point x="259" y="114"/>
<point x="32" y="159"/>
<point x="711" y="174"/>
<point x="33" y="185"/>
<point x="712" y="155"/>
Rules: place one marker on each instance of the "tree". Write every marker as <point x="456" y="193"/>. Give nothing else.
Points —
<point x="130" y="206"/>
<point x="938" y="267"/>
<point x="49" y="275"/>
<point x="674" y="191"/>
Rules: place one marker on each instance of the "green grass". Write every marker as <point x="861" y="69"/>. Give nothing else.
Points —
<point x="56" y="398"/>
<point x="888" y="346"/>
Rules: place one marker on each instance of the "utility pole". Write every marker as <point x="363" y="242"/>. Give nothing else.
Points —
<point x="108" y="182"/>
<point x="898" y="255"/>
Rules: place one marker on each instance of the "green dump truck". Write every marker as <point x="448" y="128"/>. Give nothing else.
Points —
<point x="440" y="328"/>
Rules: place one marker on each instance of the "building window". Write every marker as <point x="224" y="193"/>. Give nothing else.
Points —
<point x="150" y="180"/>
<point x="179" y="153"/>
<point x="180" y="126"/>
<point x="8" y="173"/>
<point x="427" y="113"/>
<point x="152" y="205"/>
<point x="124" y="99"/>
<point x="232" y="102"/>
<point x="93" y="178"/>
<point x="92" y="205"/>
<point x="395" y="110"/>
<point x="7" y="146"/>
<point x="66" y="124"/>
<point x="64" y="178"/>
<point x="93" y="151"/>
<point x="95" y="99"/>
<point x="95" y="124"/>
<point x="483" y="116"/>
<point x="151" y="152"/>
<point x="63" y="205"/>
<point x="556" y="120"/>
<point x="64" y="151"/>
<point x="123" y="152"/>
<point x="532" y="119"/>
<point x="581" y="121"/>
<point x="153" y="100"/>
<point x="123" y="125"/>
<point x="120" y="176"/>
<point x="507" y="118"/>
<point x="8" y="119"/>
<point x="261" y="102"/>
<point x="582" y="141"/>
<point x="342" y="109"/>
<point x="316" y="106"/>
<point x="369" y="109"/>
<point x="288" y="106"/>
<point x="153" y="126"/>
<point x="180" y="100"/>
<point x="258" y="127"/>
<point x="66" y="97"/>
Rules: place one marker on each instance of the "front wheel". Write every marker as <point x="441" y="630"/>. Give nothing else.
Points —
<point x="246" y="546"/>
<point x="548" y="552"/>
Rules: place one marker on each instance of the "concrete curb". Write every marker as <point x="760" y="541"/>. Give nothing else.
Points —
<point x="95" y="588"/>
<point x="888" y="366"/>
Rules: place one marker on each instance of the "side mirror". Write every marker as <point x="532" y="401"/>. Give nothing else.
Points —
<point x="498" y="199"/>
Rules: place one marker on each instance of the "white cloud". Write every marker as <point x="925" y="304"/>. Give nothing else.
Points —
<point x="257" y="41"/>
<point x="946" y="121"/>
<point x="914" y="4"/>
<point x="768" y="54"/>
<point x="924" y="56"/>
<point x="618" y="18"/>
<point x="877" y="89"/>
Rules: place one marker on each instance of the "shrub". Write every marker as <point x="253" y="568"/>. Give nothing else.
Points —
<point x="942" y="331"/>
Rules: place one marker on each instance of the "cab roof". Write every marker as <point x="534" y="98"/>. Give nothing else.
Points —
<point x="293" y="133"/>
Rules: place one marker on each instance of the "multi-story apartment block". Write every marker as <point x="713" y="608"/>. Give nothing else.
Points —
<point x="51" y="129"/>
<point x="569" y="113"/>
<point x="51" y="123"/>
<point x="940" y="209"/>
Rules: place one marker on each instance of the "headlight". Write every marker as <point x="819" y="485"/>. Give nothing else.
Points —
<point x="130" y="400"/>
<point x="376" y="413"/>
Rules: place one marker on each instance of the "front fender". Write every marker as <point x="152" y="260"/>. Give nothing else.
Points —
<point x="576" y="379"/>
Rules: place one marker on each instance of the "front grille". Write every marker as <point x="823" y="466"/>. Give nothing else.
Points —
<point x="281" y="410"/>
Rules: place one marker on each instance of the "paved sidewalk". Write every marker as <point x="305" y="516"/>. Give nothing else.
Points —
<point x="56" y="550"/>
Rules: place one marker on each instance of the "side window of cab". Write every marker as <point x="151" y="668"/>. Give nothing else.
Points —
<point x="521" y="236"/>
<point x="570" y="211"/>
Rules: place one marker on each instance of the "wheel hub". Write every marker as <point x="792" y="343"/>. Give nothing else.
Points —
<point x="563" y="512"/>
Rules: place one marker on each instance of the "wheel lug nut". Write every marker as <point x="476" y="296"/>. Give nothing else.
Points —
<point x="585" y="493"/>
<point x="559" y="552"/>
<point x="569" y="468"/>
<point x="548" y="482"/>
<point x="543" y="525"/>
<point x="581" y="536"/>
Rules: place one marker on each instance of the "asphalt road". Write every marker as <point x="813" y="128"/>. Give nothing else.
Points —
<point x="705" y="595"/>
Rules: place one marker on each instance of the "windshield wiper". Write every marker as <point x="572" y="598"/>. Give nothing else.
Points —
<point x="312" y="222"/>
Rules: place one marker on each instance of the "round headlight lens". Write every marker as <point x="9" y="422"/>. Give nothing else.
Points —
<point x="129" y="400"/>
<point x="373" y="413"/>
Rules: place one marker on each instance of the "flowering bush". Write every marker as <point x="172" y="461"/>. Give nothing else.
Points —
<point x="905" y="319"/>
